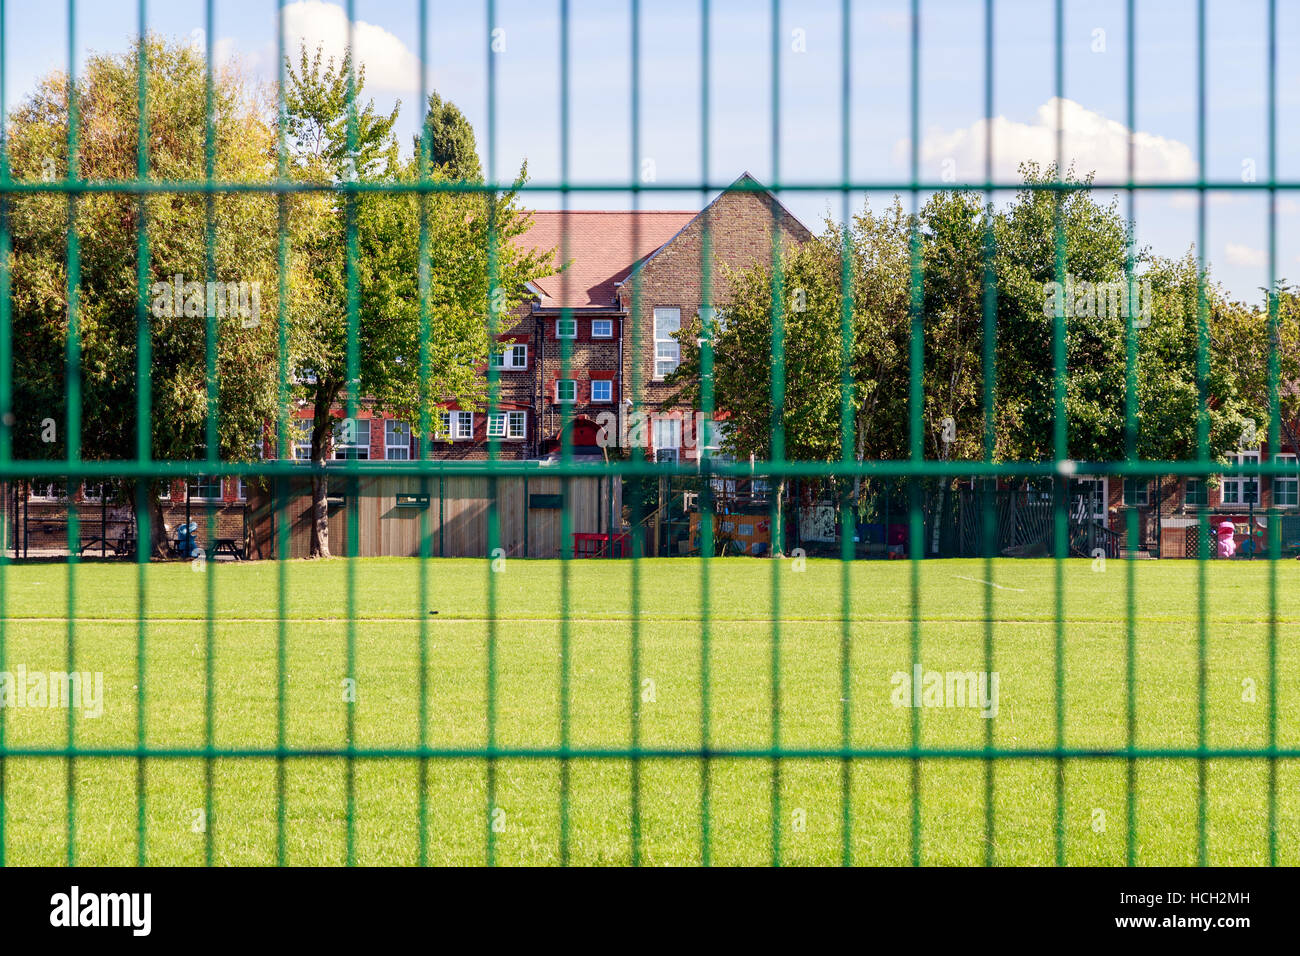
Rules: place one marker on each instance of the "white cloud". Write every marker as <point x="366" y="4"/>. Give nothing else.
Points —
<point x="390" y="65"/>
<point x="1240" y="255"/>
<point x="1092" y="142"/>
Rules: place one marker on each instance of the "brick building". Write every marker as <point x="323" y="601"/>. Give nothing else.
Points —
<point x="624" y="282"/>
<point x="1167" y="505"/>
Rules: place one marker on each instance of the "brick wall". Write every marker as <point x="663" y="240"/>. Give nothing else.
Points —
<point x="740" y="228"/>
<point x="591" y="358"/>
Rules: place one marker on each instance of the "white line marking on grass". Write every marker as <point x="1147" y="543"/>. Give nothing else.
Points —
<point x="990" y="583"/>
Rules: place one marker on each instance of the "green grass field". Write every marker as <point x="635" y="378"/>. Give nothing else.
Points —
<point x="242" y="828"/>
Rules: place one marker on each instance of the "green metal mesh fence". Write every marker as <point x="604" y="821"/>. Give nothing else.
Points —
<point x="425" y="749"/>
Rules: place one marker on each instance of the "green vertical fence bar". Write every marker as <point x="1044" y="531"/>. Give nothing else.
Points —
<point x="1130" y="449"/>
<point x="143" y="427"/>
<point x="707" y="410"/>
<point x="566" y="447"/>
<point x="212" y="449"/>
<point x="1274" y="429"/>
<point x="778" y="433"/>
<point x="491" y="768"/>
<point x="848" y="524"/>
<point x="634" y="663"/>
<point x="424" y="424"/>
<point x="279" y="487"/>
<point x="6" y="393"/>
<point x="72" y="439"/>
<point x="351" y="498"/>
<point x="988" y="531"/>
<point x="1202" y="434"/>
<point x="1060" y="438"/>
<point x="915" y="403"/>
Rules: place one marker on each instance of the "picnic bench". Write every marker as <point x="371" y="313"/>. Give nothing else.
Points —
<point x="228" y="546"/>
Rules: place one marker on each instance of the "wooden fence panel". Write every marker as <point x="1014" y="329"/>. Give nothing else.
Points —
<point x="457" y="525"/>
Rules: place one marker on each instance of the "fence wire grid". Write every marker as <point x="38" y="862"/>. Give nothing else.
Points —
<point x="908" y="759"/>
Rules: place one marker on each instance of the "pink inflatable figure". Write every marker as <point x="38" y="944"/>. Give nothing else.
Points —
<point x="1227" y="546"/>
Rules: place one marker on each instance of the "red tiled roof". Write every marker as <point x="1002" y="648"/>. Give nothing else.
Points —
<point x="601" y="247"/>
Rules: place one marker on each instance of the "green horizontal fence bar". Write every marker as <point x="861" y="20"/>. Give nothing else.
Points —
<point x="670" y="753"/>
<point x="929" y="468"/>
<point x="289" y="187"/>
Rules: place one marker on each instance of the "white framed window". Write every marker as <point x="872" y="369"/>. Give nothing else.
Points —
<point x="243" y="490"/>
<point x="356" y="429"/>
<point x="462" y="426"/>
<point x="602" y="328"/>
<point x="566" y="390"/>
<point x="397" y="440"/>
<point x="517" y="425"/>
<point x="667" y="438"/>
<point x="511" y="358"/>
<point x="1136" y="492"/>
<point x="1195" y="493"/>
<point x="566" y="328"/>
<point x="1285" y="490"/>
<point x="49" y="491"/>
<point x="602" y="390"/>
<point x="204" y="488"/>
<point x="1241" y="490"/>
<point x="301" y="432"/>
<point x="513" y="425"/>
<point x="712" y="435"/>
<point x="92" y="492"/>
<point x="668" y="354"/>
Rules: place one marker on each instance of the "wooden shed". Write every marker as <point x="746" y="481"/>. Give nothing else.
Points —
<point x="389" y="514"/>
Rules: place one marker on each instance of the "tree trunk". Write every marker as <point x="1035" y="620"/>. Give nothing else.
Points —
<point x="778" y="522"/>
<point x="157" y="543"/>
<point x="320" y="520"/>
<point x="857" y="479"/>
<point x="322" y="449"/>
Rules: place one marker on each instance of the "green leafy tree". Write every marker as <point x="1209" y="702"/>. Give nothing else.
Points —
<point x="1093" y="248"/>
<point x="449" y="138"/>
<point x="953" y="231"/>
<point x="475" y="273"/>
<point x="1237" y="382"/>
<point x="809" y="410"/>
<point x="107" y="225"/>
<point x="333" y="138"/>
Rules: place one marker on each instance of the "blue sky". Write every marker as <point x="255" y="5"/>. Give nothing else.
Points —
<point x="809" y="134"/>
